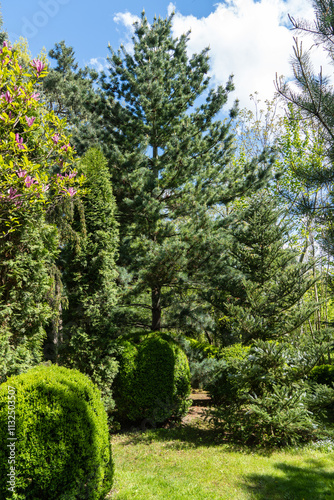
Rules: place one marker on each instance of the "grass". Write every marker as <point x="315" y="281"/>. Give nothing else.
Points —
<point x="190" y="462"/>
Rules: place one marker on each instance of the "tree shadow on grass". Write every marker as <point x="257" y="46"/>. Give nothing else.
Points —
<point x="311" y="482"/>
<point x="183" y="436"/>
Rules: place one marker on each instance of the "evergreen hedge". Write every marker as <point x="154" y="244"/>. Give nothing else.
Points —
<point x="153" y="382"/>
<point x="62" y="448"/>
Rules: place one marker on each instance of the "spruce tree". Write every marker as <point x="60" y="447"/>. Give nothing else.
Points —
<point x="170" y="159"/>
<point x="269" y="283"/>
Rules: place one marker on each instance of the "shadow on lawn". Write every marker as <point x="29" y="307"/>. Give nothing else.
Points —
<point x="182" y="437"/>
<point x="311" y="482"/>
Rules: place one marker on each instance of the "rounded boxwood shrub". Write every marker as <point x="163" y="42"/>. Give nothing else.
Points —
<point x="153" y="382"/>
<point x="62" y="448"/>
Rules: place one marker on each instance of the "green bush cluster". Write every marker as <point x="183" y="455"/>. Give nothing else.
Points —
<point x="265" y="398"/>
<point x="153" y="382"/>
<point x="62" y="450"/>
<point x="205" y="359"/>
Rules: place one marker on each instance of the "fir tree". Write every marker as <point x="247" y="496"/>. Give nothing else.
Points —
<point x="170" y="161"/>
<point x="266" y="300"/>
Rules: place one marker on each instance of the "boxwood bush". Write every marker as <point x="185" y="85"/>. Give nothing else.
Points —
<point x="62" y="447"/>
<point x="153" y="382"/>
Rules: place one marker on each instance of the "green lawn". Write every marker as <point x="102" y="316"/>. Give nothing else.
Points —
<point x="188" y="463"/>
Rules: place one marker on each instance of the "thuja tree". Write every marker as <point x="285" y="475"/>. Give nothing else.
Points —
<point x="89" y="274"/>
<point x="170" y="162"/>
<point x="35" y="173"/>
<point x="267" y="294"/>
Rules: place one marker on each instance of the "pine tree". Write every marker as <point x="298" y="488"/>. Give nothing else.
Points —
<point x="170" y="159"/>
<point x="69" y="92"/>
<point x="314" y="99"/>
<point x="314" y="94"/>
<point x="267" y="297"/>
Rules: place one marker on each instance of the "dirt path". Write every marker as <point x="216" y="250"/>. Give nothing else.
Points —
<point x="201" y="400"/>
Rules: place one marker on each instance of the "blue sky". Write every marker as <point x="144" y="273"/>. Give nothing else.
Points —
<point x="249" y="38"/>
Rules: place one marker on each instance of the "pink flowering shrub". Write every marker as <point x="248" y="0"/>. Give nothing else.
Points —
<point x="36" y="158"/>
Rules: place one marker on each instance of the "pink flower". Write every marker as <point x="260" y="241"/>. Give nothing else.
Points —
<point x="38" y="65"/>
<point x="35" y="96"/>
<point x="71" y="191"/>
<point x="56" y="138"/>
<point x="66" y="146"/>
<point x="5" y="44"/>
<point x="29" y="181"/>
<point x="21" y="173"/>
<point x="8" y="97"/>
<point x="12" y="193"/>
<point x="19" y="141"/>
<point x="30" y="121"/>
<point x="45" y="188"/>
<point x="72" y="174"/>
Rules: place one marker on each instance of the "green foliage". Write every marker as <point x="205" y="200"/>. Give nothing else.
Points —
<point x="234" y="351"/>
<point x="153" y="382"/>
<point x="265" y="398"/>
<point x="62" y="449"/>
<point x="36" y="173"/>
<point x="267" y="282"/>
<point x="205" y="359"/>
<point x="69" y="91"/>
<point x="89" y="274"/>
<point x="35" y="155"/>
<point x="171" y="163"/>
<point x="203" y="350"/>
<point x="323" y="374"/>
<point x="27" y="255"/>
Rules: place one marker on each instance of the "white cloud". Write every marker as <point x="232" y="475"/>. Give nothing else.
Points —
<point x="98" y="63"/>
<point x="248" y="38"/>
<point x="128" y="20"/>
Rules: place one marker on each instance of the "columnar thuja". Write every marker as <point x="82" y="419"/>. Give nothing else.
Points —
<point x="35" y="155"/>
<point x="36" y="174"/>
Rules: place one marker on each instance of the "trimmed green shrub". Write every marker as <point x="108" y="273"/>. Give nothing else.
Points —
<point x="62" y="448"/>
<point x="323" y="374"/>
<point x="153" y="382"/>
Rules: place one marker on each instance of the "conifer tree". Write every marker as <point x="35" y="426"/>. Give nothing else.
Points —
<point x="313" y="96"/>
<point x="69" y="92"/>
<point x="89" y="273"/>
<point x="267" y="297"/>
<point x="170" y="159"/>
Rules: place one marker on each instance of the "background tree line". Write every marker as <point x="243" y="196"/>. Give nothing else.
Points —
<point x="183" y="222"/>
